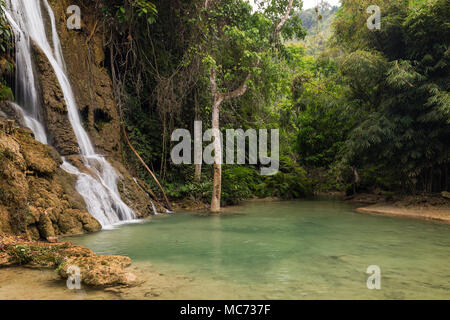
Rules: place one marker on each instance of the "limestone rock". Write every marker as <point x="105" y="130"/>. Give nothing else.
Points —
<point x="37" y="198"/>
<point x="54" y="108"/>
<point x="84" y="56"/>
<point x="101" y="270"/>
<point x="96" y="270"/>
<point x="52" y="239"/>
<point x="133" y="194"/>
<point x="45" y="226"/>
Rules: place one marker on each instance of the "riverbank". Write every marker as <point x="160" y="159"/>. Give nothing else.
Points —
<point x="387" y="209"/>
<point x="424" y="207"/>
<point x="24" y="283"/>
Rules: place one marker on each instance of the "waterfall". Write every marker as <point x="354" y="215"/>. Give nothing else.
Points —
<point x="98" y="190"/>
<point x="32" y="123"/>
<point x="155" y="211"/>
<point x="26" y="93"/>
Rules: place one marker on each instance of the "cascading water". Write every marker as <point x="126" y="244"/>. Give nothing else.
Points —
<point x="32" y="123"/>
<point x="99" y="190"/>
<point x="26" y="93"/>
<point x="155" y="211"/>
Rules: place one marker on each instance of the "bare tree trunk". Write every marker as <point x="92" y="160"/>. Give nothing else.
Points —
<point x="198" y="166"/>
<point x="198" y="172"/>
<point x="217" y="183"/>
<point x="218" y="98"/>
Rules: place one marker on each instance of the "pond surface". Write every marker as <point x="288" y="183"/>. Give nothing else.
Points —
<point x="288" y="250"/>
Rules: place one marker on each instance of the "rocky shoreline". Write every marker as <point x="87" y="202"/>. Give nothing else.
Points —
<point x="95" y="270"/>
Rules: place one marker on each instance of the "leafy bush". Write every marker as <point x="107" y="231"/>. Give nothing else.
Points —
<point x="238" y="183"/>
<point x="5" y="92"/>
<point x="243" y="182"/>
<point x="289" y="183"/>
<point x="200" y="191"/>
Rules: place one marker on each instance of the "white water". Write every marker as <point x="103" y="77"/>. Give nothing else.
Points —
<point x="98" y="200"/>
<point x="155" y="211"/>
<point x="26" y="92"/>
<point x="99" y="190"/>
<point x="32" y="123"/>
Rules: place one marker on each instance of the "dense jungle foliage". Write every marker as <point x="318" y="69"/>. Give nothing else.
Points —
<point x="368" y="110"/>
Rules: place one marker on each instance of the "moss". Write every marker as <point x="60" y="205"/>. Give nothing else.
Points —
<point x="35" y="254"/>
<point x="20" y="254"/>
<point x="60" y="267"/>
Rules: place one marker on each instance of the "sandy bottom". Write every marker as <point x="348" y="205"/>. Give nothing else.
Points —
<point x="18" y="283"/>
<point x="437" y="214"/>
<point x="21" y="283"/>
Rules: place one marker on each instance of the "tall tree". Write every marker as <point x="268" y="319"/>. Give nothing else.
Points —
<point x="239" y="42"/>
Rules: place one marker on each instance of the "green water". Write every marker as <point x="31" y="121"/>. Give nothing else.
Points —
<point x="289" y="250"/>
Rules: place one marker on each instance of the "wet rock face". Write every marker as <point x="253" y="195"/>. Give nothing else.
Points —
<point x="85" y="58"/>
<point x="54" y="108"/>
<point x="7" y="112"/>
<point x="37" y="198"/>
<point x="133" y="194"/>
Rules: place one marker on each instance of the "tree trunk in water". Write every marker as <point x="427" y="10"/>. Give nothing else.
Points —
<point x="218" y="98"/>
<point x="217" y="183"/>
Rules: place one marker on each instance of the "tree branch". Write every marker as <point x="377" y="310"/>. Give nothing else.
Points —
<point x="239" y="91"/>
<point x="169" y="206"/>
<point x="284" y="19"/>
<point x="244" y="86"/>
<point x="212" y="80"/>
